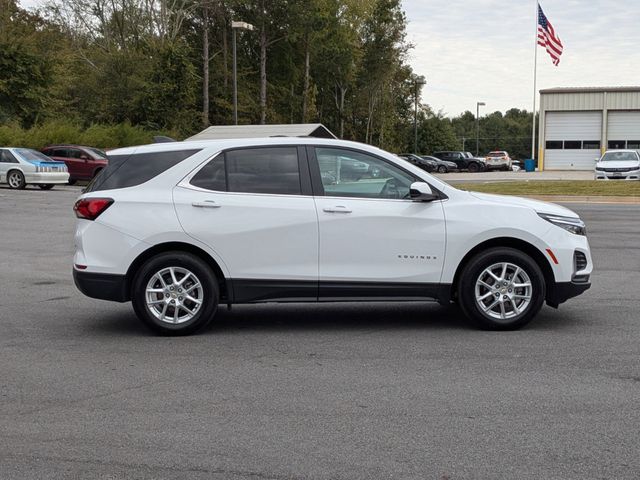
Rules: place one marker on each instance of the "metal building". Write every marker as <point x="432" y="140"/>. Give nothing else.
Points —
<point x="578" y="124"/>
<point x="258" y="131"/>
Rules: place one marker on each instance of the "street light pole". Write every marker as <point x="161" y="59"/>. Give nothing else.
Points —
<point x="234" y="27"/>
<point x="478" y="105"/>
<point x="418" y="82"/>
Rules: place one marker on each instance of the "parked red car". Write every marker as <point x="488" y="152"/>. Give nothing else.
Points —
<point x="83" y="163"/>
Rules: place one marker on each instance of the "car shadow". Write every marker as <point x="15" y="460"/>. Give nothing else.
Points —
<point x="269" y="318"/>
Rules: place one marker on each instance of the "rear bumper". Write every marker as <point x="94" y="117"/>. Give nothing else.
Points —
<point x="51" y="178"/>
<point x="103" y="286"/>
<point x="563" y="291"/>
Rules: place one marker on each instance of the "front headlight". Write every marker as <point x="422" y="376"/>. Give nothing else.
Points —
<point x="570" y="224"/>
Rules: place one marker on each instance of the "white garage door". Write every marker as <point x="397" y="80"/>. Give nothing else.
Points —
<point x="624" y="129"/>
<point x="572" y="140"/>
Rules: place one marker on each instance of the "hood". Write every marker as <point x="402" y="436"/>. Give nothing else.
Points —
<point x="618" y="164"/>
<point x="537" y="205"/>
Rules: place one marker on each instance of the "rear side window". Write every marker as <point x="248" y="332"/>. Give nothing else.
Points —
<point x="131" y="170"/>
<point x="273" y="170"/>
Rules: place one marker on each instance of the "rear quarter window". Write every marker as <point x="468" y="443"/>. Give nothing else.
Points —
<point x="131" y="170"/>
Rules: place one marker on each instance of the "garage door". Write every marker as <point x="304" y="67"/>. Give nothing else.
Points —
<point x="624" y="129"/>
<point x="572" y="140"/>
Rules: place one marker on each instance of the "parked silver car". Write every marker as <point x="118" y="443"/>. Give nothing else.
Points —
<point x="22" y="166"/>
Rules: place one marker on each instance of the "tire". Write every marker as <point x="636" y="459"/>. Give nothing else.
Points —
<point x="442" y="169"/>
<point x="473" y="168"/>
<point x="502" y="315"/>
<point x="45" y="186"/>
<point x="72" y="181"/>
<point x="95" y="174"/>
<point x="15" y="179"/>
<point x="168" y="300"/>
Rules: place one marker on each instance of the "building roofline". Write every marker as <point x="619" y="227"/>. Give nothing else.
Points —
<point x="590" y="89"/>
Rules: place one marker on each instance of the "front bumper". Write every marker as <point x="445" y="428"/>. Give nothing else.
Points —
<point x="632" y="175"/>
<point x="103" y="286"/>
<point x="563" y="291"/>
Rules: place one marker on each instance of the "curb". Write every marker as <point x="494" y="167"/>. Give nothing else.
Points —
<point x="586" y="199"/>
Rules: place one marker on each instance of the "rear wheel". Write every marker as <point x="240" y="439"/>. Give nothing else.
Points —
<point x="473" y="167"/>
<point x="95" y="174"/>
<point x="15" y="179"/>
<point x="46" y="186"/>
<point x="175" y="293"/>
<point x="72" y="181"/>
<point x="501" y="289"/>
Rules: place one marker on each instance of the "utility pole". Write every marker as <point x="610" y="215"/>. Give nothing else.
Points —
<point x="478" y="105"/>
<point x="235" y="26"/>
<point x="419" y="81"/>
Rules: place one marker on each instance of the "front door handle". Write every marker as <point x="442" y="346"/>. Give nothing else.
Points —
<point x="206" y="204"/>
<point x="336" y="209"/>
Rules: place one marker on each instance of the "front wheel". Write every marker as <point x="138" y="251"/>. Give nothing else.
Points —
<point x="442" y="169"/>
<point x="175" y="293"/>
<point x="45" y="186"/>
<point x="473" y="167"/>
<point x="501" y="289"/>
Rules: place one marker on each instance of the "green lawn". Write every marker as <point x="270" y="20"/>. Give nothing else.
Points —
<point x="551" y="187"/>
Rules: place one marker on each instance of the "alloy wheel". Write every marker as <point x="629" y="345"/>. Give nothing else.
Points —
<point x="503" y="291"/>
<point x="174" y="295"/>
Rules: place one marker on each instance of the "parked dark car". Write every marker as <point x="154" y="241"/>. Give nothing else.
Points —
<point x="83" y="163"/>
<point x="443" y="166"/>
<point x="464" y="160"/>
<point x="425" y="164"/>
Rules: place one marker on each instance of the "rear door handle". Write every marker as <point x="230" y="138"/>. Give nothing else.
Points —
<point x="206" y="204"/>
<point x="336" y="209"/>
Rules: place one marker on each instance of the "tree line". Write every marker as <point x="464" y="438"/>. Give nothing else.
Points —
<point x="166" y="66"/>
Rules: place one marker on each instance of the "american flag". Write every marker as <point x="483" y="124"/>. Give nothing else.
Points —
<point x="547" y="37"/>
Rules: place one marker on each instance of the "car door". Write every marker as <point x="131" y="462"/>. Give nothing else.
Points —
<point x="84" y="167"/>
<point x="7" y="160"/>
<point x="253" y="207"/>
<point x="374" y="240"/>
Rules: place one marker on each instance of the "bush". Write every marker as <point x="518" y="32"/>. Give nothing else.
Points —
<point x="96" y="135"/>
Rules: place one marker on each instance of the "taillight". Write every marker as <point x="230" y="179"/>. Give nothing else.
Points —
<point x="91" y="208"/>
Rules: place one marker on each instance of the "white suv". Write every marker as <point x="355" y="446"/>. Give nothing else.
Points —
<point x="179" y="228"/>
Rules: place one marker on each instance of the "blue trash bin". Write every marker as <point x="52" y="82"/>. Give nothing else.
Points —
<point x="529" y="165"/>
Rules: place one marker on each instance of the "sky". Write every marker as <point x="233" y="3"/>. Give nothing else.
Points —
<point x="482" y="50"/>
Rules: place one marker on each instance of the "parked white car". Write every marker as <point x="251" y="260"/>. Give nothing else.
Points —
<point x="618" y="165"/>
<point x="22" y="166"/>
<point x="498" y="160"/>
<point x="179" y="228"/>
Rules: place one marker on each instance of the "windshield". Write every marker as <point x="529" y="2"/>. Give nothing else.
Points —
<point x="619" y="157"/>
<point x="33" y="155"/>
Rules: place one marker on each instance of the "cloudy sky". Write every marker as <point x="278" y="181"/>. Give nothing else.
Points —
<point x="482" y="50"/>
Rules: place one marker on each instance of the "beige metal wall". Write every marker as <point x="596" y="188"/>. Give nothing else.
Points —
<point x="584" y="101"/>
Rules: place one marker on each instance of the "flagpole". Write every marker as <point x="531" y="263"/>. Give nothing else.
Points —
<point x="535" y="94"/>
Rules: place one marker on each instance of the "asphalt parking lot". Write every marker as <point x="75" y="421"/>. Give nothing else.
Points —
<point x="344" y="391"/>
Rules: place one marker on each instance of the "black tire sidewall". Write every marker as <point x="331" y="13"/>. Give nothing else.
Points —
<point x="176" y="259"/>
<point x="442" y="169"/>
<point x="473" y="167"/>
<point x="469" y="276"/>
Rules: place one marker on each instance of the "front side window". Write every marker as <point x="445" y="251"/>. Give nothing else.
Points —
<point x="345" y="173"/>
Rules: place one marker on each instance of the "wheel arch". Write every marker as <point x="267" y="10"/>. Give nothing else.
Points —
<point x="508" y="242"/>
<point x="226" y="289"/>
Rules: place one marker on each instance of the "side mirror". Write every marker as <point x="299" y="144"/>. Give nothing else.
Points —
<point x="421" y="192"/>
